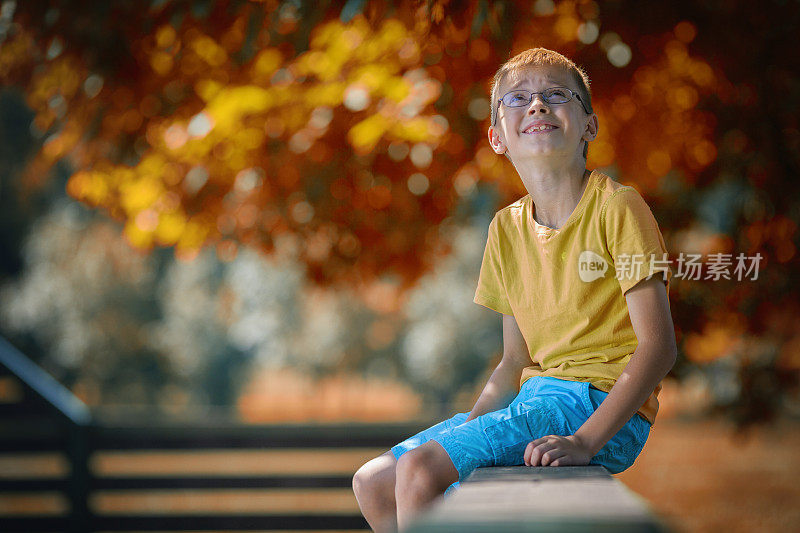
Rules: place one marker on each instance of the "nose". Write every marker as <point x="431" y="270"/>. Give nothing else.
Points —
<point x="538" y="104"/>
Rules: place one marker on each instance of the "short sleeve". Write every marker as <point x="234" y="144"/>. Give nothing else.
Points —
<point x="491" y="291"/>
<point x="634" y="241"/>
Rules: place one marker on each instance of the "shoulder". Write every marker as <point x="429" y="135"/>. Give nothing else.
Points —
<point x="511" y="216"/>
<point x="617" y="199"/>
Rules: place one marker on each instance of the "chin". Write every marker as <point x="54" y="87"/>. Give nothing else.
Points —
<point x="541" y="153"/>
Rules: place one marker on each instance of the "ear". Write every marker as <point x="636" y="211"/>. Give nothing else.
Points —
<point x="496" y="140"/>
<point x="592" y="127"/>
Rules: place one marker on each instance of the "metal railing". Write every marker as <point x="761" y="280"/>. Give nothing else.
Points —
<point x="49" y="418"/>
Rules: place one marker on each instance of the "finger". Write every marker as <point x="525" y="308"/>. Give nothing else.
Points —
<point x="540" y="440"/>
<point x="553" y="455"/>
<point x="531" y="450"/>
<point x="538" y="453"/>
<point x="528" y="451"/>
<point x="565" y="460"/>
<point x="528" y="457"/>
<point x="548" y="456"/>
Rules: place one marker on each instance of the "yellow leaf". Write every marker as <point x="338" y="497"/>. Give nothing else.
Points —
<point x="373" y="76"/>
<point x="165" y="36"/>
<point x="232" y="103"/>
<point x="393" y="31"/>
<point x="267" y="61"/>
<point x="207" y="89"/>
<point x="152" y="164"/>
<point x="414" y="130"/>
<point x="209" y="51"/>
<point x="193" y="236"/>
<point x="324" y="34"/>
<point x="138" y="194"/>
<point x="396" y="89"/>
<point x="161" y="62"/>
<point x="90" y="187"/>
<point x="326" y="94"/>
<point x="367" y="133"/>
<point x="137" y="237"/>
<point x="170" y="227"/>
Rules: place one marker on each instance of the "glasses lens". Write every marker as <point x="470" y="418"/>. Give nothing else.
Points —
<point x="557" y="95"/>
<point x="517" y="98"/>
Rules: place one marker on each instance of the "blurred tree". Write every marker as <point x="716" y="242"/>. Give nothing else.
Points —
<point x="448" y="340"/>
<point x="86" y="296"/>
<point x="230" y="123"/>
<point x="127" y="330"/>
<point x="348" y="133"/>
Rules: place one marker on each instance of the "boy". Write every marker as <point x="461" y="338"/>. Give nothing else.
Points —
<point x="573" y="267"/>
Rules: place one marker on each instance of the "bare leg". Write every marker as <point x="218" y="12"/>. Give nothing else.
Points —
<point x="423" y="474"/>
<point x="373" y="485"/>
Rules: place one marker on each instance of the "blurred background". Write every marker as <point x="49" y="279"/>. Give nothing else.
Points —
<point x="252" y="213"/>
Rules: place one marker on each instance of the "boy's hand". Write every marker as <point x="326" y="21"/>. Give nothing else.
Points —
<point x="555" y="450"/>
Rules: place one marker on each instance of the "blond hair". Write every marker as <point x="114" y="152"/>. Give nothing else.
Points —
<point x="536" y="57"/>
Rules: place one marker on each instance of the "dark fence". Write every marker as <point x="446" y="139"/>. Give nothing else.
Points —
<point x="97" y="468"/>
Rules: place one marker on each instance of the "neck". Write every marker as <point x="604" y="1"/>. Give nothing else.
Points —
<point x="555" y="192"/>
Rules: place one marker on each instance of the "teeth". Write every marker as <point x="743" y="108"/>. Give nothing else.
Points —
<point x="540" y="128"/>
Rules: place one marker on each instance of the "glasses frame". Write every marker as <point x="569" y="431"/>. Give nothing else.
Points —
<point x="572" y="94"/>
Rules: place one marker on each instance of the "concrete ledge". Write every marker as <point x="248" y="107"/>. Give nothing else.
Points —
<point x="521" y="498"/>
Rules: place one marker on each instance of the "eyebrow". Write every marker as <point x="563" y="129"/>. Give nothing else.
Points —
<point x="548" y="80"/>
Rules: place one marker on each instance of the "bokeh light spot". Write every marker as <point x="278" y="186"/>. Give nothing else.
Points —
<point x="588" y="32"/>
<point x="200" y="125"/>
<point x="302" y="212"/>
<point x="175" y="136"/>
<point x="195" y="179"/>
<point x="544" y="7"/>
<point x="619" y="54"/>
<point x="478" y="108"/>
<point x="93" y="85"/>
<point x="356" y="98"/>
<point x="659" y="162"/>
<point x="248" y="179"/>
<point x="398" y="151"/>
<point x="421" y="155"/>
<point x="465" y="181"/>
<point x="418" y="183"/>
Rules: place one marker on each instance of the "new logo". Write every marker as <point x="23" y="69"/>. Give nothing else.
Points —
<point x="591" y="266"/>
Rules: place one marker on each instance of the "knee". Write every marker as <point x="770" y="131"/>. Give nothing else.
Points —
<point x="415" y="471"/>
<point x="362" y="481"/>
<point x="369" y="480"/>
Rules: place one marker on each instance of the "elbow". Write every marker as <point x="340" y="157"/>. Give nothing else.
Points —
<point x="671" y="349"/>
<point x="515" y="362"/>
<point x="670" y="356"/>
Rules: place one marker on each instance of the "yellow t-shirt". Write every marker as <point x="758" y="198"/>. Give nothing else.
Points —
<point x="566" y="286"/>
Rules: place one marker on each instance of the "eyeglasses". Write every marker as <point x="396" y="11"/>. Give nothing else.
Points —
<point x="553" y="95"/>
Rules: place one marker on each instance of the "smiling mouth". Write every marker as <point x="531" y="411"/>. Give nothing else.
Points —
<point x="540" y="129"/>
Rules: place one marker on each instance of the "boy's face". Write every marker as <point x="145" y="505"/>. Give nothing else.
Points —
<point x="568" y="124"/>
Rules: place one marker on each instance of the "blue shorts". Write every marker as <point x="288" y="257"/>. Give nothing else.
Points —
<point x="544" y="406"/>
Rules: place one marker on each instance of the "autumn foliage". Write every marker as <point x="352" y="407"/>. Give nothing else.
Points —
<point x="223" y="131"/>
<point x="347" y="136"/>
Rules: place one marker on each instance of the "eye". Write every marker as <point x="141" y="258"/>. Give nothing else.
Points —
<point x="517" y="98"/>
<point x="557" y="92"/>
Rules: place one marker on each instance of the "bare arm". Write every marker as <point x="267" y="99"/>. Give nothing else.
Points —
<point x="503" y="384"/>
<point x="653" y="358"/>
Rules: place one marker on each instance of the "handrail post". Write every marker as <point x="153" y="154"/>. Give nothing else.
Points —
<point x="78" y="453"/>
<point x="78" y="420"/>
